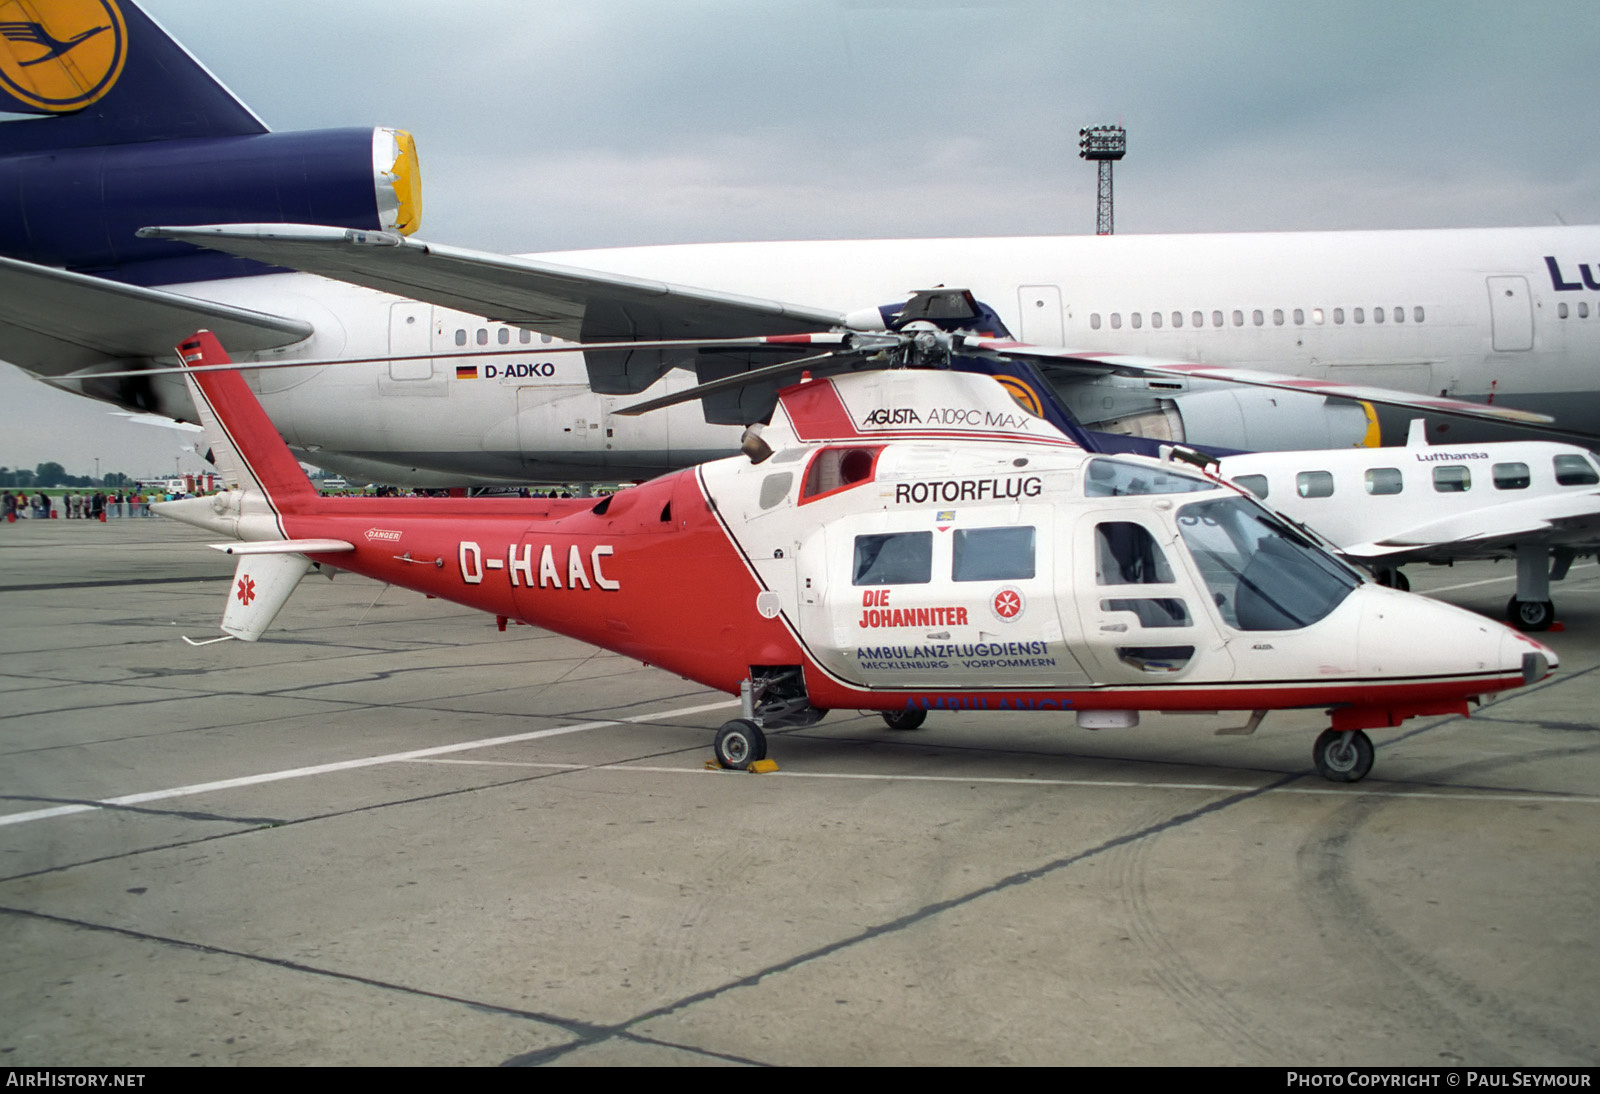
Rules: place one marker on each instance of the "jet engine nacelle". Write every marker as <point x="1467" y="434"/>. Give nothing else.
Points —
<point x="79" y="208"/>
<point x="1252" y="419"/>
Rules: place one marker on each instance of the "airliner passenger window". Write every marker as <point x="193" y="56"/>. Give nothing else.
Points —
<point x="1257" y="318"/>
<point x="1338" y="315"/>
<point x="1177" y="319"/>
<point x="1575" y="470"/>
<point x="1126" y="554"/>
<point x="1136" y="320"/>
<point x="461" y="337"/>
<point x="1361" y="315"/>
<point x="1299" y="317"/>
<point x="1155" y="320"/>
<point x="1216" y="319"/>
<point x="992" y="554"/>
<point x="898" y="558"/>
<point x="1199" y="319"/>
<point x="1511" y="476"/>
<point x="1094" y="320"/>
<point x="1399" y="315"/>
<point x="1314" y="484"/>
<point x="1451" y="480"/>
<point x="1238" y="318"/>
<point x="1583" y="309"/>
<point x="1416" y="315"/>
<point x="1116" y="320"/>
<point x="525" y="336"/>
<point x="1256" y="484"/>
<point x="1377" y="315"/>
<point x="1561" y="311"/>
<point x="1277" y="317"/>
<point x="1384" y="480"/>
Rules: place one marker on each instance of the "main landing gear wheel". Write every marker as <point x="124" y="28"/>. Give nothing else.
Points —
<point x="1343" y="755"/>
<point x="1530" y="615"/>
<point x="904" y="719"/>
<point x="739" y="744"/>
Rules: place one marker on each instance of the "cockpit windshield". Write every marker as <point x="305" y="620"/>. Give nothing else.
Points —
<point x="1263" y="575"/>
<point x="1124" y="478"/>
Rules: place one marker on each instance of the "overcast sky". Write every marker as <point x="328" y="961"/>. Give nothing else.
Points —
<point x="551" y="124"/>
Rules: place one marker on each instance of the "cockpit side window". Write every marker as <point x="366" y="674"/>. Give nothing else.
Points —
<point x="1262" y="575"/>
<point x="992" y="554"/>
<point x="895" y="558"/>
<point x="1127" y="554"/>
<point x="1119" y="478"/>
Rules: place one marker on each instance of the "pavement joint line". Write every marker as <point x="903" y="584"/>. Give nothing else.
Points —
<point x="1520" y="797"/>
<point x="349" y="765"/>
<point x="1487" y="581"/>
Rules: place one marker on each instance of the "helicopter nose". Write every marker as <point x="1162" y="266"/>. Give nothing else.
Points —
<point x="1430" y="638"/>
<point x="1535" y="658"/>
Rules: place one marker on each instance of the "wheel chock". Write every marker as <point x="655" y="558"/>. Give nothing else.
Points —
<point x="763" y="767"/>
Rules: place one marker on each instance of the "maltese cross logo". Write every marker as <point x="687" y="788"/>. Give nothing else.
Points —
<point x="247" y="591"/>
<point x="1007" y="603"/>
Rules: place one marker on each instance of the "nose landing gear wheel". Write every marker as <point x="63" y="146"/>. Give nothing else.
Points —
<point x="1530" y="615"/>
<point x="1343" y="756"/>
<point x="739" y="744"/>
<point x="904" y="719"/>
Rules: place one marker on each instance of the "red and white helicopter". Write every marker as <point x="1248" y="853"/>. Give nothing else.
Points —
<point x="895" y="540"/>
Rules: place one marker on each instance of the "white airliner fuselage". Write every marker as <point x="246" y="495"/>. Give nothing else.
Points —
<point x="1510" y="315"/>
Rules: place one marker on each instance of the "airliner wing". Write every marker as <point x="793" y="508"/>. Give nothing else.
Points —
<point x="53" y="322"/>
<point x="565" y="301"/>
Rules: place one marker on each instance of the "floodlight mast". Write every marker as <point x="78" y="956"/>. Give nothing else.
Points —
<point x="1105" y="144"/>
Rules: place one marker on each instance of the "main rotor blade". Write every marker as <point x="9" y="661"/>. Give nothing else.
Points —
<point x="737" y="380"/>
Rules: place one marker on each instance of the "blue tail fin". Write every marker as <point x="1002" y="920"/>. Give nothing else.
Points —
<point x="104" y="73"/>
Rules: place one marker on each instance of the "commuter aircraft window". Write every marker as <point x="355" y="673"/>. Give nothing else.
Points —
<point x="1451" y="480"/>
<point x="1163" y="611"/>
<point x="1338" y="315"/>
<point x="1511" y="476"/>
<point x="992" y="554"/>
<point x="1257" y="318"/>
<point x="1574" y="470"/>
<point x="1360" y="315"/>
<point x="1314" y="484"/>
<point x="1384" y="480"/>
<point x="1262" y="575"/>
<point x="1155" y="320"/>
<point x="1256" y="484"/>
<point x="1116" y="479"/>
<point x="1277" y="317"/>
<point x="1216" y="319"/>
<point x="898" y="558"/>
<point x="1116" y="320"/>
<point x="1238" y="318"/>
<point x="1299" y="317"/>
<point x="1126" y="554"/>
<point x="1377" y="315"/>
<point x="1094" y="320"/>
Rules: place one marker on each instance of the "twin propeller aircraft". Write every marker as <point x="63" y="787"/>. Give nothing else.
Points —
<point x="901" y="541"/>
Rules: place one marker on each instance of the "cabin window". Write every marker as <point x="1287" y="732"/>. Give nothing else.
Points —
<point x="1126" y="553"/>
<point x="1384" y="480"/>
<point x="524" y="336"/>
<point x="1452" y="480"/>
<point x="1116" y="320"/>
<point x="834" y="469"/>
<point x="1561" y="310"/>
<point x="1256" y="484"/>
<point x="774" y="488"/>
<point x="1416" y="315"/>
<point x="992" y="554"/>
<point x="1360" y="315"/>
<point x="1155" y="320"/>
<point x="1257" y="318"/>
<point x="1277" y="317"/>
<point x="483" y="336"/>
<point x="1177" y="319"/>
<point x="1094" y="320"/>
<point x="1338" y="315"/>
<point x="503" y="336"/>
<point x="1575" y="470"/>
<point x="1262" y="575"/>
<point x="1511" y="476"/>
<point x="898" y="558"/>
<point x="1399" y="315"/>
<point x="1299" y="317"/>
<point x="1314" y="484"/>
<point x="1238" y="318"/>
<point x="461" y="337"/>
<point x="1377" y="315"/>
<point x="1216" y="319"/>
<point x="1116" y="479"/>
<point x="1198" y="319"/>
<point x="545" y="338"/>
<point x="1136" y="320"/>
<point x="1316" y="316"/>
<point x="1165" y="611"/>
<point x="1583" y="309"/>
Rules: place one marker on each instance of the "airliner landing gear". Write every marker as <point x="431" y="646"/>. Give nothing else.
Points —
<point x="904" y="719"/>
<point x="1343" y="756"/>
<point x="739" y="744"/>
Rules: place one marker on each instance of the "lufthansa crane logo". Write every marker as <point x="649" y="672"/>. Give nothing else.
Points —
<point x="61" y="56"/>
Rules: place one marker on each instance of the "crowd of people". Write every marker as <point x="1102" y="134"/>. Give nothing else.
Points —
<point x="77" y="505"/>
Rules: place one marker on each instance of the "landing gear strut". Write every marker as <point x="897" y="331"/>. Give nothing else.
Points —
<point x="1343" y="755"/>
<point x="739" y="744"/>
<point x="1530" y="609"/>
